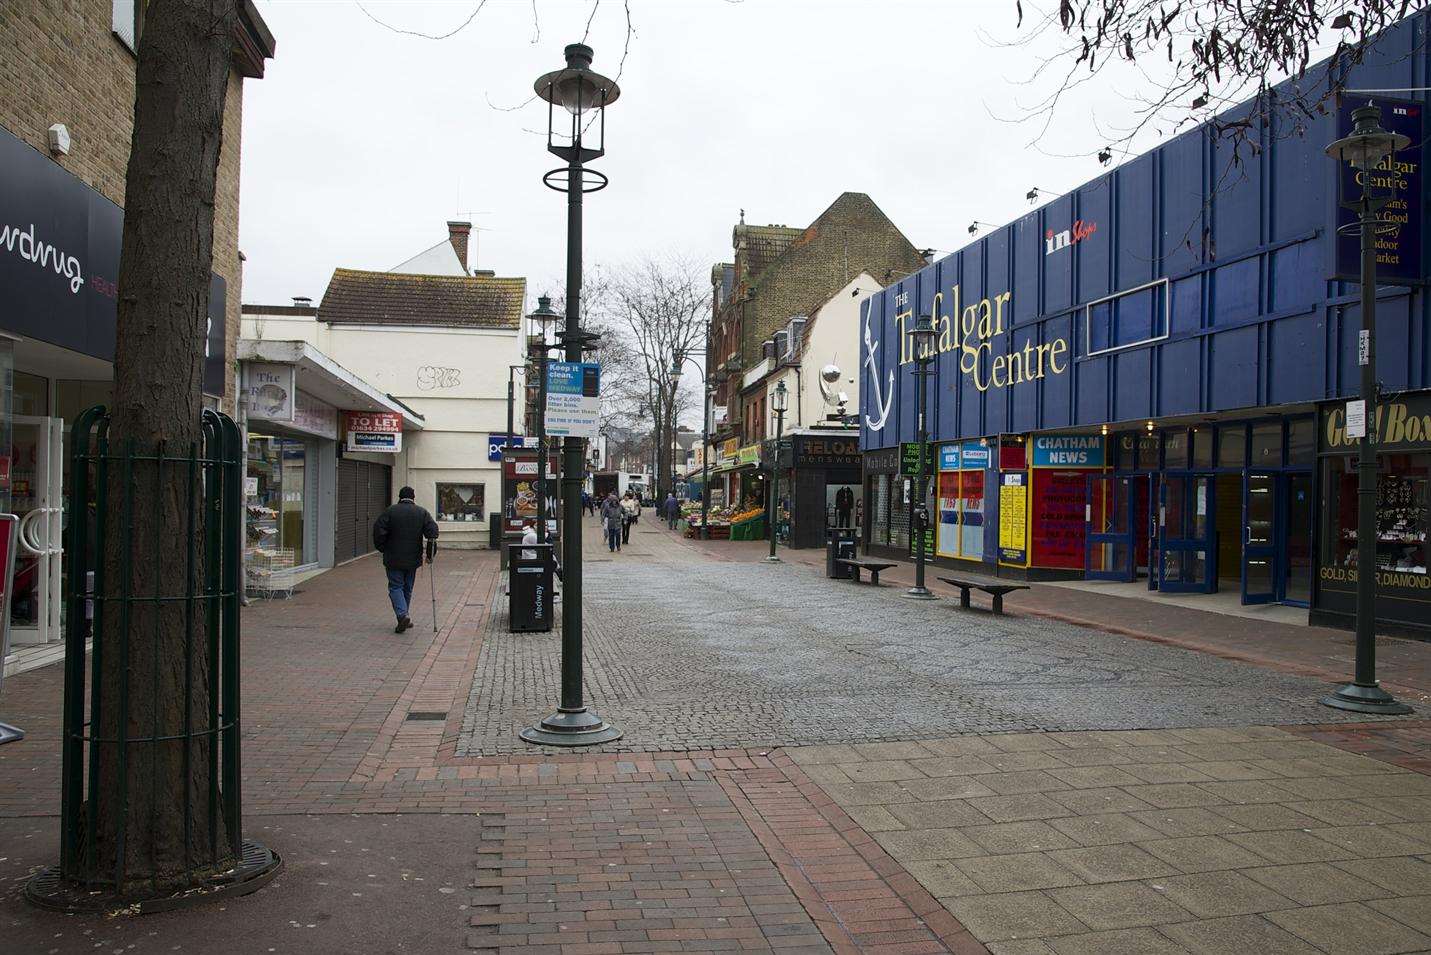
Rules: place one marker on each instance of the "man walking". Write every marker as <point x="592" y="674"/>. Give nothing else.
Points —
<point x="673" y="510"/>
<point x="398" y="533"/>
<point x="613" y="515"/>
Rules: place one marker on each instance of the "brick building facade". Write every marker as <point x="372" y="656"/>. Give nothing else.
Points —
<point x="67" y="87"/>
<point x="65" y="62"/>
<point x="781" y="272"/>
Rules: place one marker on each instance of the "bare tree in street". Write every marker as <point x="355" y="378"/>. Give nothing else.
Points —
<point x="663" y="305"/>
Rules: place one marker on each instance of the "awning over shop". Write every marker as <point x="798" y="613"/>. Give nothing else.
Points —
<point x="323" y="378"/>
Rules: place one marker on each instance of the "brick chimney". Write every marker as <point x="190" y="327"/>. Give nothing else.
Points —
<point x="458" y="233"/>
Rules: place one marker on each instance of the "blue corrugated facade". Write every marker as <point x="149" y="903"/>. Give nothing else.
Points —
<point x="1151" y="366"/>
<point x="1240" y="312"/>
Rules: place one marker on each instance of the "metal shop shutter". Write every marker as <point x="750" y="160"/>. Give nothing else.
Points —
<point x="345" y="544"/>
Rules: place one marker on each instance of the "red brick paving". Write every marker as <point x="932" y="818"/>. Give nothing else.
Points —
<point x="703" y="850"/>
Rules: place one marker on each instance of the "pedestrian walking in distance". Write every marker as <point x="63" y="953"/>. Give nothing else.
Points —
<point x="398" y="534"/>
<point x="631" y="513"/>
<point x="612" y="518"/>
<point x="673" y="510"/>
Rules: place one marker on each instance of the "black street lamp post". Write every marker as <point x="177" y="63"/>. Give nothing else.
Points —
<point x="779" y="402"/>
<point x="584" y="95"/>
<point x="922" y="342"/>
<point x="543" y="315"/>
<point x="1364" y="149"/>
<point x="511" y="394"/>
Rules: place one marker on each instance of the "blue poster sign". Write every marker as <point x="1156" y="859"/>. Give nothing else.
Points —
<point x="949" y="457"/>
<point x="1396" y="179"/>
<point x="975" y="455"/>
<point x="1068" y="451"/>
<point x="573" y="399"/>
<point x="496" y="442"/>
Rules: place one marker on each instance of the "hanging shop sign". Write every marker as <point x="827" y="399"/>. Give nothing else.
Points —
<point x="270" y="390"/>
<point x="316" y="417"/>
<point x="826" y="451"/>
<point x="374" y="431"/>
<point x="59" y="262"/>
<point x="1398" y="180"/>
<point x="909" y="457"/>
<point x="1068" y="451"/>
<point x="750" y="454"/>
<point x="1013" y="518"/>
<point x="496" y="442"/>
<point x="1401" y="424"/>
<point x="882" y="461"/>
<point x="573" y="399"/>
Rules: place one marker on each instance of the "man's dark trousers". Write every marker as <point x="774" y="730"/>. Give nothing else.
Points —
<point x="400" y="589"/>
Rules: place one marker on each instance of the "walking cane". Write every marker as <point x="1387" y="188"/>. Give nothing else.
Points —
<point x="431" y="581"/>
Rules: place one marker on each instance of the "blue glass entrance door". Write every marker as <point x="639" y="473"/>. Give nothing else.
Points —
<point x="1260" y="530"/>
<point x="1187" y="559"/>
<point x="1109" y="517"/>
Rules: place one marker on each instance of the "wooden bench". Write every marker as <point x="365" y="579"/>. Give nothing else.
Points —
<point x="858" y="564"/>
<point x="996" y="589"/>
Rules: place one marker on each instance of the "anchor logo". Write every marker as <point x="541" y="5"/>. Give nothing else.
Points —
<point x="882" y="402"/>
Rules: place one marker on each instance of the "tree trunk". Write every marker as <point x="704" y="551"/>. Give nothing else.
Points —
<point x="155" y="802"/>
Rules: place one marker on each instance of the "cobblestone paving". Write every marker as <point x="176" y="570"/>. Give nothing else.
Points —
<point x="685" y="653"/>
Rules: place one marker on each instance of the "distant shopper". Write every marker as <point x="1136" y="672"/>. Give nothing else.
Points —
<point x="586" y="502"/>
<point x="631" y="508"/>
<point x="673" y="510"/>
<point x="398" y="534"/>
<point x="612" y="516"/>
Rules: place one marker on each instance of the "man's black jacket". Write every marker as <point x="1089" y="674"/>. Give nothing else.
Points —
<point x="398" y="533"/>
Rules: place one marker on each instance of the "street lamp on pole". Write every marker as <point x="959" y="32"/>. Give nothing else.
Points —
<point x="584" y="95"/>
<point x="678" y="361"/>
<point x="922" y="342"/>
<point x="543" y="315"/>
<point x="779" y="402"/>
<point x="511" y="395"/>
<point x="1364" y="149"/>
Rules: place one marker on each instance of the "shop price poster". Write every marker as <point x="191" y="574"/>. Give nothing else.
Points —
<point x="1058" y="500"/>
<point x="1013" y="518"/>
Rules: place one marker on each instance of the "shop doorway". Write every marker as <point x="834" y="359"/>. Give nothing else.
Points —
<point x="1277" y="537"/>
<point x="1186" y="555"/>
<point x="36" y="498"/>
<point x="1111" y="527"/>
<point x="1227" y="526"/>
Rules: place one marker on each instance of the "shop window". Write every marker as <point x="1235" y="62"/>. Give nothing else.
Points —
<point x="1059" y="528"/>
<point x="1201" y="441"/>
<point x="1232" y="446"/>
<point x="277" y="470"/>
<point x="1401" y="513"/>
<point x="1301" y="442"/>
<point x="961" y="514"/>
<point x="1175" y="450"/>
<point x="461" y="502"/>
<point x="1267" y="444"/>
<point x="31" y="395"/>
<point x="1134" y="317"/>
<point x="899" y="509"/>
<point x="879" y="527"/>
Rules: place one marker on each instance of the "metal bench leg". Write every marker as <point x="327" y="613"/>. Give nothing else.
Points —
<point x="964" y="597"/>
<point x="998" y="603"/>
<point x="874" y="578"/>
<point x="858" y="578"/>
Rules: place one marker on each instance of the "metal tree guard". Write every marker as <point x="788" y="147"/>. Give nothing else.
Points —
<point x="217" y="859"/>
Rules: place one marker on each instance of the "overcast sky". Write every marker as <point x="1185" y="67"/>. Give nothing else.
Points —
<point x="360" y="143"/>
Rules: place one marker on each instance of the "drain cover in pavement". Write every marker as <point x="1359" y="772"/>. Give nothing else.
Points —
<point x="419" y="715"/>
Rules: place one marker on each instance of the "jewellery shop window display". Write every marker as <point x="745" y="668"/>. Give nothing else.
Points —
<point x="1403" y="512"/>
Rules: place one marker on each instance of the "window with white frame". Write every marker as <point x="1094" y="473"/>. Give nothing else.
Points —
<point x="1125" y="319"/>
<point x="125" y="20"/>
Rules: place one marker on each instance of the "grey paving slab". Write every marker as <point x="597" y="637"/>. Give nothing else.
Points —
<point x="684" y="652"/>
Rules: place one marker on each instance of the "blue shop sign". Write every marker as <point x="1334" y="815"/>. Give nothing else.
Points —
<point x="1397" y="179"/>
<point x="949" y="457"/>
<point x="976" y="456"/>
<point x="1068" y="451"/>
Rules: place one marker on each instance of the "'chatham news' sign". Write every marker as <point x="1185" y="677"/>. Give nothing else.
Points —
<point x="1397" y="179"/>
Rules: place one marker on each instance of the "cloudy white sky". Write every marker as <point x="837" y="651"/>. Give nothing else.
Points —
<point x="360" y="143"/>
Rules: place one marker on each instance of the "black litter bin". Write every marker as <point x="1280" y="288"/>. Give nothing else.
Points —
<point x="843" y="545"/>
<point x="529" y="588"/>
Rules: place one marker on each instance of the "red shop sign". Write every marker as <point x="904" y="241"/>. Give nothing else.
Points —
<point x="374" y="422"/>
